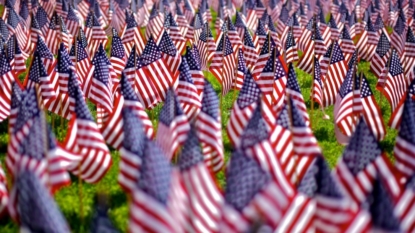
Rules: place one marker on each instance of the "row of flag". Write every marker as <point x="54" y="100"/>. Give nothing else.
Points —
<point x="277" y="178"/>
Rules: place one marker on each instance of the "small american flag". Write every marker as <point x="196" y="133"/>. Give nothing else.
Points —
<point x="336" y="72"/>
<point x="220" y="18"/>
<point x="181" y="20"/>
<point x="409" y="63"/>
<point x="240" y="24"/>
<point x="37" y="209"/>
<point x="306" y="34"/>
<point x="94" y="33"/>
<point x="187" y="93"/>
<point x="112" y="130"/>
<point x="394" y="85"/>
<point x="98" y="88"/>
<point x="6" y="80"/>
<point x="240" y="71"/>
<point x="335" y="32"/>
<point x="174" y="32"/>
<point x="264" y="55"/>
<point x="346" y="44"/>
<point x="156" y="66"/>
<point x="205" y="201"/>
<point x="260" y="35"/>
<point x="291" y="54"/>
<point x="355" y="28"/>
<point x="250" y="51"/>
<point x="233" y="35"/>
<point x="131" y="149"/>
<point x="4" y="195"/>
<point x="398" y="36"/>
<point x="282" y="20"/>
<point x="243" y="108"/>
<point x="206" y="46"/>
<point x="294" y="91"/>
<point x="35" y="32"/>
<point x="170" y="53"/>
<point x="324" y="28"/>
<point x="72" y="21"/>
<point x="80" y="59"/>
<point x="52" y="35"/>
<point x="118" y="56"/>
<point x="132" y="36"/>
<point x="208" y="125"/>
<point x="195" y="69"/>
<point x="404" y="145"/>
<point x="368" y="41"/>
<point x="189" y="11"/>
<point x="154" y="198"/>
<point x="223" y="64"/>
<point x="317" y="92"/>
<point x="273" y="31"/>
<point x="43" y="20"/>
<point x="83" y="134"/>
<point x="16" y="28"/>
<point x="173" y="126"/>
<point x="381" y="55"/>
<point x="155" y="23"/>
<point x="403" y="207"/>
<point x="314" y="46"/>
<point x="319" y="184"/>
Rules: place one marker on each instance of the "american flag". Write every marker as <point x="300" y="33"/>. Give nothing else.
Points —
<point x="240" y="24"/>
<point x="131" y="149"/>
<point x="306" y="34"/>
<point x="4" y="195"/>
<point x="112" y="130"/>
<point x="64" y="35"/>
<point x="98" y="87"/>
<point x="223" y="64"/>
<point x="170" y="53"/>
<point x="404" y="142"/>
<point x="324" y="28"/>
<point x="273" y="31"/>
<point x="346" y="44"/>
<point x="208" y="125"/>
<point x="334" y="212"/>
<point x="51" y="37"/>
<point x="155" y="23"/>
<point x="409" y="55"/>
<point x="95" y="8"/>
<point x="181" y="20"/>
<point x="155" y="65"/>
<point x="314" y="47"/>
<point x="348" y="107"/>
<point x="264" y="55"/>
<point x="189" y="11"/>
<point x="80" y="59"/>
<point x="16" y="28"/>
<point x="118" y="57"/>
<point x="83" y="134"/>
<point x="403" y="207"/>
<point x="35" y="32"/>
<point x="43" y="20"/>
<point x="240" y="71"/>
<point x="243" y="108"/>
<point x="256" y="143"/>
<point x="220" y="18"/>
<point x="282" y="20"/>
<point x="195" y="71"/>
<point x="16" y="56"/>
<point x="318" y="88"/>
<point x="138" y="78"/>
<point x="94" y="33"/>
<point x="294" y="91"/>
<point x="187" y="93"/>
<point x="335" y="75"/>
<point x="155" y="200"/>
<point x="334" y="30"/>
<point x="143" y="13"/>
<point x="173" y="126"/>
<point x="6" y="80"/>
<point x="394" y="85"/>
<point x="250" y="51"/>
<point x="174" y="32"/>
<point x="38" y="76"/>
<point x="396" y="116"/>
<point x="354" y="25"/>
<point x="260" y="35"/>
<point x="381" y="55"/>
<point x="291" y="54"/>
<point x="398" y="36"/>
<point x="35" y="205"/>
<point x="132" y="36"/>
<point x="61" y="8"/>
<point x="368" y="41"/>
<point x="265" y="78"/>
<point x="24" y="13"/>
<point x="204" y="198"/>
<point x="233" y="35"/>
<point x="207" y="47"/>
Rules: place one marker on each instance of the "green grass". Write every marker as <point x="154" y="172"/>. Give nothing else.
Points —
<point x="68" y="198"/>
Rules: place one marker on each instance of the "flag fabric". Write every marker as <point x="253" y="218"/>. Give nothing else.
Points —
<point x="398" y="36"/>
<point x="16" y="56"/>
<point x="138" y="78"/>
<point x="404" y="142"/>
<point x="240" y="71"/>
<point x="175" y="33"/>
<point x="264" y="56"/>
<point x="394" y="84"/>
<point x="80" y="59"/>
<point x="118" y="57"/>
<point x="155" y="23"/>
<point x="381" y="56"/>
<point x="4" y="194"/>
<point x="35" y="205"/>
<point x="204" y="198"/>
<point x="208" y="125"/>
<point x="52" y="34"/>
<point x="206" y="46"/>
<point x="294" y="91"/>
<point x="291" y="54"/>
<point x="187" y="93"/>
<point x="335" y="75"/>
<point x="72" y="21"/>
<point x="409" y="55"/>
<point x="223" y="64"/>
<point x="243" y="108"/>
<point x="402" y="207"/>
<point x="250" y="51"/>
<point x="84" y="135"/>
<point x="94" y="33"/>
<point x="170" y="53"/>
<point x="155" y="65"/>
<point x="260" y="35"/>
<point x="173" y="126"/>
<point x="195" y="29"/>
<point x="113" y="130"/>
<point x="318" y="183"/>
<point x="194" y="68"/>
<point x="35" y="32"/>
<point x="132" y="36"/>
<point x="181" y="20"/>
<point x="152" y="199"/>
<point x="6" y="80"/>
<point x="368" y="41"/>
<point x="131" y="150"/>
<point x="314" y="44"/>
<point x="346" y="44"/>
<point x="318" y="88"/>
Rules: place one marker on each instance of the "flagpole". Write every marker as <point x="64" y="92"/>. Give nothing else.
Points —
<point x="44" y="130"/>
<point x="223" y="63"/>
<point x="288" y="98"/>
<point x="235" y="78"/>
<point x="313" y="70"/>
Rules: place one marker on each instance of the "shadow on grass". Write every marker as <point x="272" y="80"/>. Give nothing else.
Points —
<point x="117" y="199"/>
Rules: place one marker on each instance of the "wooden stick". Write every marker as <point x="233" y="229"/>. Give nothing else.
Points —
<point x="312" y="92"/>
